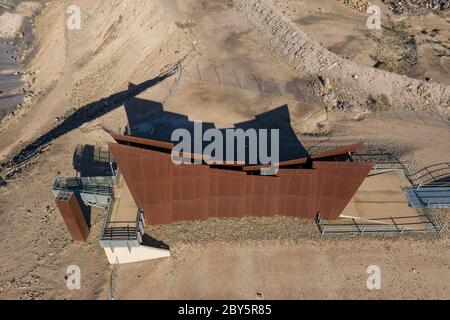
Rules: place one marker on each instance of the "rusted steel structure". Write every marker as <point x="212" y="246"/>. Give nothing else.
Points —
<point x="72" y="214"/>
<point x="323" y="183"/>
<point x="303" y="186"/>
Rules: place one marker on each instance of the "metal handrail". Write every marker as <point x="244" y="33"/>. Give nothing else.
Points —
<point x="429" y="225"/>
<point x="83" y="185"/>
<point x="111" y="232"/>
<point x="447" y="164"/>
<point x="429" y="171"/>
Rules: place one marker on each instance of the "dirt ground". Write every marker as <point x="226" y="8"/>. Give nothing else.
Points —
<point x="319" y="269"/>
<point x="123" y="44"/>
<point x="423" y="39"/>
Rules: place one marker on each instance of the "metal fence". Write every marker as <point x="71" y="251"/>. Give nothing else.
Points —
<point x="113" y="279"/>
<point x="437" y="175"/>
<point x="413" y="116"/>
<point x="175" y="84"/>
<point x="94" y="185"/>
<point x="295" y="89"/>
<point x="381" y="225"/>
<point x="426" y="221"/>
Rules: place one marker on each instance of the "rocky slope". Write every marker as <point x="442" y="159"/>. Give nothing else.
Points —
<point x="350" y="85"/>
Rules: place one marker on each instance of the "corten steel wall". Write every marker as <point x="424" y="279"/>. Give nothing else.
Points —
<point x="337" y="182"/>
<point x="169" y="192"/>
<point x="73" y="217"/>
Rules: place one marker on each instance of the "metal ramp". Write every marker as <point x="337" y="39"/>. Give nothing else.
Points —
<point x="122" y="234"/>
<point x="428" y="197"/>
<point x="123" y="224"/>
<point x="431" y="187"/>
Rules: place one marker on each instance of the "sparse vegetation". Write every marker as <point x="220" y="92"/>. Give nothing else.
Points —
<point x="360" y="5"/>
<point x="185" y="25"/>
<point x="378" y="104"/>
<point x="417" y="6"/>
<point x="397" y="48"/>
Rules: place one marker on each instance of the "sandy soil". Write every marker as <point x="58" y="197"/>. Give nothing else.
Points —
<point x="11" y="22"/>
<point x="118" y="45"/>
<point x="320" y="269"/>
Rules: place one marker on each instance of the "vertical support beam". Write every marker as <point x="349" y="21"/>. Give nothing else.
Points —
<point x="71" y="212"/>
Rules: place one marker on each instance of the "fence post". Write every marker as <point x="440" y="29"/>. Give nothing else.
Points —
<point x="276" y="86"/>
<point x="199" y="73"/>
<point x="218" y="76"/>
<point x="393" y="221"/>
<point x="237" y="79"/>
<point x="257" y="83"/>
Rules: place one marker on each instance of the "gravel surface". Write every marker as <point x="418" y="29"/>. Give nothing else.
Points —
<point x="235" y="230"/>
<point x="261" y="229"/>
<point x="417" y="6"/>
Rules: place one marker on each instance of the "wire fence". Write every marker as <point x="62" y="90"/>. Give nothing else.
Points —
<point x="294" y="89"/>
<point x="113" y="279"/>
<point x="175" y="84"/>
<point x="413" y="116"/>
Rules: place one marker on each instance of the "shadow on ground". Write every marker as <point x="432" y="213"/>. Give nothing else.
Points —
<point x="152" y="242"/>
<point x="83" y="115"/>
<point x="93" y="161"/>
<point x="148" y="119"/>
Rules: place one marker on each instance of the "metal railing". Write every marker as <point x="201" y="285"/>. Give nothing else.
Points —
<point x="95" y="185"/>
<point x="121" y="233"/>
<point x="381" y="225"/>
<point x="126" y="231"/>
<point x="431" y="176"/>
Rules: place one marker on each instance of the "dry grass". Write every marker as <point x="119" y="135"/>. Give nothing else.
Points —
<point x="397" y="48"/>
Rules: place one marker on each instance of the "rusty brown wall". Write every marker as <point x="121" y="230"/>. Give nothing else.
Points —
<point x="337" y="182"/>
<point x="169" y="192"/>
<point x="73" y="217"/>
